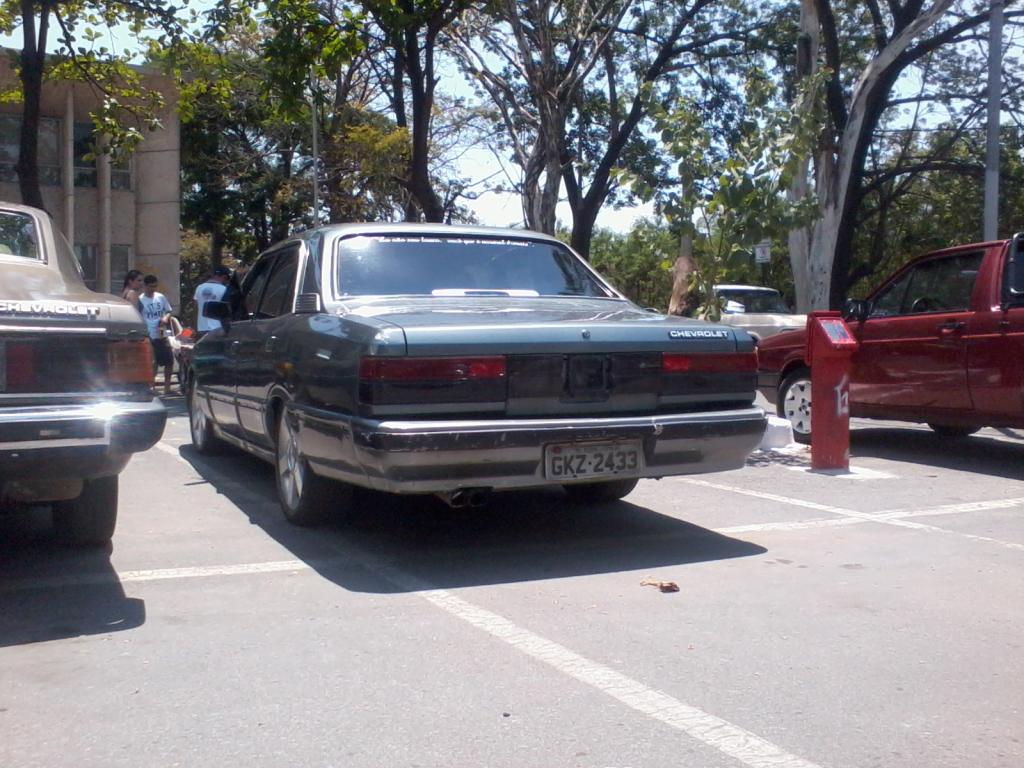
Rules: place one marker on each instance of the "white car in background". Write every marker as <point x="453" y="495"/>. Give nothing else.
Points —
<point x="760" y="311"/>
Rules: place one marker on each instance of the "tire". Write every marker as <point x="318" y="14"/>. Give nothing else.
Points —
<point x="306" y="499"/>
<point x="88" y="520"/>
<point x="794" y="403"/>
<point x="199" y="426"/>
<point x="609" y="490"/>
<point x="945" y="430"/>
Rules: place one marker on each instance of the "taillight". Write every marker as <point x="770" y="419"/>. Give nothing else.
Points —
<point x="130" y="362"/>
<point x="460" y="383"/>
<point x="19" y="366"/>
<point x="427" y="369"/>
<point x="744" y="362"/>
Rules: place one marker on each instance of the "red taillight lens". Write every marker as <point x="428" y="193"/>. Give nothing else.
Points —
<point x="431" y="368"/>
<point x="20" y="367"/>
<point x="745" y="362"/>
<point x="130" y="362"/>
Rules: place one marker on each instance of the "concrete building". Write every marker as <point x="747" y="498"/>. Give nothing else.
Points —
<point x="118" y="216"/>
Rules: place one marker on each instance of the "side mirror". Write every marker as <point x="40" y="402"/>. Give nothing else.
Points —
<point x="856" y="309"/>
<point x="218" y="310"/>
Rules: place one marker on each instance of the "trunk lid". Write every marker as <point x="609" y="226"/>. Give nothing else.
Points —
<point x="571" y="356"/>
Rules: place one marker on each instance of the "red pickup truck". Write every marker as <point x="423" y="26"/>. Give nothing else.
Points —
<point x="940" y="342"/>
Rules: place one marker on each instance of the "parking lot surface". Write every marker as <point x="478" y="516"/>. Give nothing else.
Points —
<point x="868" y="619"/>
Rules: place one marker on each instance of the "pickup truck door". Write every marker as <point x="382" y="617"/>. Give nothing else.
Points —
<point x="913" y="352"/>
<point x="262" y="346"/>
<point x="995" y="341"/>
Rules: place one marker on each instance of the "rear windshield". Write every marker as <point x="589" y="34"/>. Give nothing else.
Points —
<point x="371" y="265"/>
<point x="18" y="235"/>
<point x="755" y="301"/>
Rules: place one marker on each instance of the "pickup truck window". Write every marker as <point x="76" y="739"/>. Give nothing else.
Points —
<point x="18" y="235"/>
<point x="1013" y="279"/>
<point x="411" y="265"/>
<point x="937" y="285"/>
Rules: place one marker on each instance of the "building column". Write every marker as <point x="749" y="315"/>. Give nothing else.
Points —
<point x="68" y="165"/>
<point x="103" y="188"/>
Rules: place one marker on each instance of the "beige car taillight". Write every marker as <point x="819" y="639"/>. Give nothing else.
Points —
<point x="130" y="362"/>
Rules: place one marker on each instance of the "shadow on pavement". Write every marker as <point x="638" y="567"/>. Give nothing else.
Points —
<point x="977" y="453"/>
<point x="59" y="592"/>
<point x="518" y="537"/>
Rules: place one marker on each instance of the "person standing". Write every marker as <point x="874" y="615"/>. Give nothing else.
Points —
<point x="132" y="287"/>
<point x="212" y="290"/>
<point x="156" y="311"/>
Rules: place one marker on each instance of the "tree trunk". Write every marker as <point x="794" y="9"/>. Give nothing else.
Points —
<point x="683" y="268"/>
<point x="841" y="169"/>
<point x="800" y="239"/>
<point x="33" y="58"/>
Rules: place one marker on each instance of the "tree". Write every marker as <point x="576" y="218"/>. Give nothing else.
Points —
<point x="245" y="174"/>
<point x="412" y="29"/>
<point x="573" y="82"/>
<point x="742" y="200"/>
<point x="120" y="88"/>
<point x="863" y="69"/>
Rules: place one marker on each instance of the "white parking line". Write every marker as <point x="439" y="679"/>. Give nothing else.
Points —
<point x="893" y="517"/>
<point x="158" y="574"/>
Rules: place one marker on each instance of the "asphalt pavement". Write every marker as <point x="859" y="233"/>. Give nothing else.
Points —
<point x="868" y="619"/>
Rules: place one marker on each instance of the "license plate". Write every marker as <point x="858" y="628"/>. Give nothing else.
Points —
<point x="567" y="461"/>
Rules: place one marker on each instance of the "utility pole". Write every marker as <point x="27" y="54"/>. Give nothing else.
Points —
<point x="316" y="149"/>
<point x="995" y="49"/>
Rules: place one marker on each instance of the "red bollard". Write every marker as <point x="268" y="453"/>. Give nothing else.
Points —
<point x="829" y="348"/>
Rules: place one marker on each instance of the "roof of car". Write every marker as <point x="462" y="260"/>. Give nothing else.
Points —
<point x="393" y="228"/>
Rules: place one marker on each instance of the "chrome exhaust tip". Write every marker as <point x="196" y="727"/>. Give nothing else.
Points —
<point x="462" y="498"/>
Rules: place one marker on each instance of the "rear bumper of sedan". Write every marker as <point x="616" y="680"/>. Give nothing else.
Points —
<point x="55" y="443"/>
<point x="437" y="456"/>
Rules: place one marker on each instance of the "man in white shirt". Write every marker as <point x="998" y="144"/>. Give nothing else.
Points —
<point x="212" y="290"/>
<point x="156" y="311"/>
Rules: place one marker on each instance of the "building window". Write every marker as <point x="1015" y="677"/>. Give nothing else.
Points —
<point x="85" y="169"/>
<point x="49" y="149"/>
<point x="87" y="257"/>
<point x="120" y="259"/>
<point x="121" y="173"/>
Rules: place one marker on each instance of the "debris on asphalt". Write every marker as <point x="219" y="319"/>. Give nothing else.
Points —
<point x="664" y="586"/>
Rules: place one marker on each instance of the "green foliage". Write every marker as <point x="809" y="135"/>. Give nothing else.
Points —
<point x="637" y="262"/>
<point x="304" y="39"/>
<point x="912" y="213"/>
<point x="728" y="206"/>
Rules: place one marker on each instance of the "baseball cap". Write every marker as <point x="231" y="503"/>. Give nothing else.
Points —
<point x="221" y="272"/>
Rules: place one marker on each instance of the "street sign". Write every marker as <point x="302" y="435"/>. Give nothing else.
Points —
<point x="763" y="252"/>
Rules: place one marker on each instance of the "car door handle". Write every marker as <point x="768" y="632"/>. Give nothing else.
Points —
<point x="951" y="327"/>
<point x="233" y="348"/>
<point x="270" y="343"/>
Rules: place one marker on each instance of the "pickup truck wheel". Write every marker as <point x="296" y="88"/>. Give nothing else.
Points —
<point x="306" y="498"/>
<point x="203" y="439"/>
<point x="610" y="490"/>
<point x="794" y="403"/>
<point x="88" y="520"/>
<point x="946" y="430"/>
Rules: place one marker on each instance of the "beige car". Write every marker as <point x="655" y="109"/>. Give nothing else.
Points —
<point x="759" y="311"/>
<point x="76" y="399"/>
